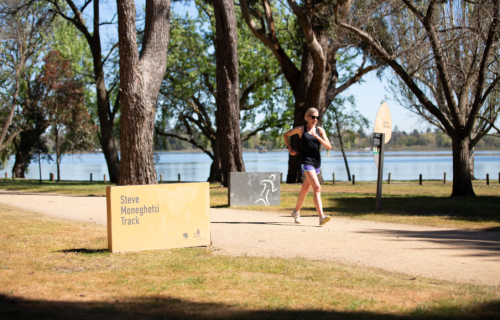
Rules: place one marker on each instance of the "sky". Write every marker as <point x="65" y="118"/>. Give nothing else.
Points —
<point x="369" y="95"/>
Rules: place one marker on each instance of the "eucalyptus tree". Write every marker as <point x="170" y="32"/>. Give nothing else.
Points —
<point x="313" y="75"/>
<point x="65" y="39"/>
<point x="141" y="75"/>
<point x="189" y="89"/>
<point x="228" y="89"/>
<point x="22" y="30"/>
<point x="447" y="55"/>
<point x="63" y="106"/>
<point x="74" y="12"/>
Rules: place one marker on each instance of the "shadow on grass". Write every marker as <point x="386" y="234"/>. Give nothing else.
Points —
<point x="221" y="206"/>
<point x="85" y="251"/>
<point x="160" y="307"/>
<point x="483" y="208"/>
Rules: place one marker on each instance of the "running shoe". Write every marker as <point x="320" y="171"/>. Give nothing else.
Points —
<point x="324" y="220"/>
<point x="296" y="217"/>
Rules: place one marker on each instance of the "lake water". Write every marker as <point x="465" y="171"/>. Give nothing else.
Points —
<point x="403" y="165"/>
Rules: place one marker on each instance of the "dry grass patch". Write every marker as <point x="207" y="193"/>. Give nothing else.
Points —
<point x="52" y="268"/>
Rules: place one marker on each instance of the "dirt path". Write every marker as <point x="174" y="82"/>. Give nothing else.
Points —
<point x="447" y="254"/>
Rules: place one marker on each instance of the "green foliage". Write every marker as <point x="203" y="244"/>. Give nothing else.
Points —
<point x="188" y="93"/>
<point x="73" y="47"/>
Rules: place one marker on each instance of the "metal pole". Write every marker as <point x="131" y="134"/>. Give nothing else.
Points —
<point x="179" y="178"/>
<point x="420" y="179"/>
<point x="353" y="179"/>
<point x="487" y="179"/>
<point x="333" y="177"/>
<point x="444" y="179"/>
<point x="389" y="180"/>
<point x="91" y="177"/>
<point x="380" y="172"/>
<point x="282" y="177"/>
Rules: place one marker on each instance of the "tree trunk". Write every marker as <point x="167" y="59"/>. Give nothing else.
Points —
<point x="23" y="153"/>
<point x="140" y="81"/>
<point x="227" y="113"/>
<point x="344" y="156"/>
<point x="471" y="163"/>
<point x="106" y="120"/>
<point x="58" y="158"/>
<point x="462" y="183"/>
<point x="215" y="168"/>
<point x="40" y="167"/>
<point x="106" y="126"/>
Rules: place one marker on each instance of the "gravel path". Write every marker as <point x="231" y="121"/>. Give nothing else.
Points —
<point x="447" y="254"/>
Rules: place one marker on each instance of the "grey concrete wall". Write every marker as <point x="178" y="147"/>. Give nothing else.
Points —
<point x="254" y="189"/>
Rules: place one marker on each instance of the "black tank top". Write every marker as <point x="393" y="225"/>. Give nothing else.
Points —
<point x="309" y="149"/>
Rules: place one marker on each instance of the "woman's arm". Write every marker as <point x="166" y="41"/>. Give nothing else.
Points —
<point x="322" y="138"/>
<point x="296" y="130"/>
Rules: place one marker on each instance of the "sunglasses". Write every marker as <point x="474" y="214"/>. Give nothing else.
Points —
<point x="314" y="117"/>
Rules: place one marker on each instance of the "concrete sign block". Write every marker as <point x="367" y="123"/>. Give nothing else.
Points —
<point x="254" y="189"/>
<point x="164" y="216"/>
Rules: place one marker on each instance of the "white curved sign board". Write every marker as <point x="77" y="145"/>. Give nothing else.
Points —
<point x="383" y="124"/>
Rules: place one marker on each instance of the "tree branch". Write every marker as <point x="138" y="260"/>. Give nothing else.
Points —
<point x="193" y="142"/>
<point x="492" y="34"/>
<point x="289" y="69"/>
<point x="400" y="72"/>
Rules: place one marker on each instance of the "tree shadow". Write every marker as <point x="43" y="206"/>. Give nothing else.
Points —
<point x="164" y="307"/>
<point x="484" y="244"/>
<point x="84" y="251"/>
<point x="484" y="208"/>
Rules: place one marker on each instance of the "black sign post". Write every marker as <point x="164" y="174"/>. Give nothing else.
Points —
<point x="378" y="146"/>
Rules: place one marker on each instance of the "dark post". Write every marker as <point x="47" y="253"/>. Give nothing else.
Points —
<point x="282" y="177"/>
<point x="353" y="179"/>
<point x="333" y="177"/>
<point x="379" y="142"/>
<point x="6" y="175"/>
<point x="179" y="180"/>
<point x="389" y="180"/>
<point x="161" y="178"/>
<point x="104" y="178"/>
<point x="91" y="177"/>
<point x="487" y="179"/>
<point x="420" y="179"/>
<point x="444" y="179"/>
<point x="51" y="177"/>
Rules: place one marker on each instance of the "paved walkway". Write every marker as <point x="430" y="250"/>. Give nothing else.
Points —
<point x="447" y="254"/>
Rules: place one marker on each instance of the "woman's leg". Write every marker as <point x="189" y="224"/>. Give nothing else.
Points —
<point x="302" y="195"/>
<point x="312" y="177"/>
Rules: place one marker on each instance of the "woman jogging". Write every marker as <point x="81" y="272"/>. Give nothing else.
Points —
<point x="311" y="138"/>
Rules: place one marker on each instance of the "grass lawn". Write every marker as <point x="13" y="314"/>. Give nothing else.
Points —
<point x="53" y="268"/>
<point x="403" y="201"/>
